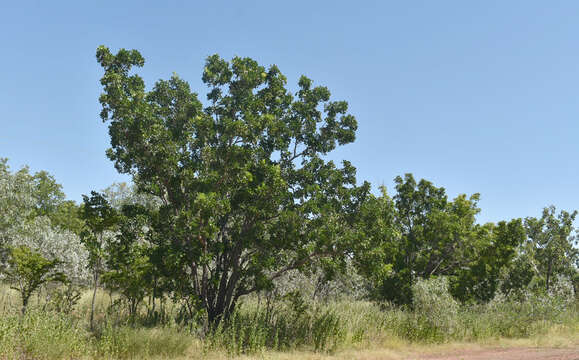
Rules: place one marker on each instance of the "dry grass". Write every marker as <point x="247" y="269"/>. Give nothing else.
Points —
<point x="367" y="332"/>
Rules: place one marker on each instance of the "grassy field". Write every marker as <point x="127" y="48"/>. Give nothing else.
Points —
<point x="290" y="328"/>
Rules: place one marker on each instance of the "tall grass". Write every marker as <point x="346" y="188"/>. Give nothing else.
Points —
<point x="288" y="324"/>
<point x="292" y="324"/>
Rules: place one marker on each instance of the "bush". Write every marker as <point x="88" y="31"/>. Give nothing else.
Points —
<point x="435" y="316"/>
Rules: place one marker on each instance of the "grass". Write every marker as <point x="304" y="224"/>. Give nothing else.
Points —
<point x="290" y="328"/>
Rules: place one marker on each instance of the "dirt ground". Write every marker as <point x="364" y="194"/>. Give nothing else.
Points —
<point x="508" y="354"/>
<point x="438" y="353"/>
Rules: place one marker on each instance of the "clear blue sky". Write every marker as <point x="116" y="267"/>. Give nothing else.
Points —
<point x="474" y="96"/>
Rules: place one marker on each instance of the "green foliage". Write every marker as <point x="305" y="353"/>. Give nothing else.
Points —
<point x="35" y="214"/>
<point x="377" y="240"/>
<point x="130" y="275"/>
<point x="24" y="196"/>
<point x="552" y="246"/>
<point x="47" y="193"/>
<point x="16" y="201"/>
<point x="99" y="217"/>
<point x="236" y="196"/>
<point x="100" y="220"/>
<point x="28" y="270"/>
<point x="319" y="286"/>
<point x="416" y="234"/>
<point x="246" y="194"/>
<point x="433" y="299"/>
<point x="67" y="216"/>
<point x="498" y="246"/>
<point x="122" y="194"/>
<point x="437" y="235"/>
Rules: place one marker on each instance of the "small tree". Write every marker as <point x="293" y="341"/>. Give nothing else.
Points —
<point x="99" y="218"/>
<point x="130" y="269"/>
<point x="28" y="270"/>
<point x="553" y="245"/>
<point x="131" y="278"/>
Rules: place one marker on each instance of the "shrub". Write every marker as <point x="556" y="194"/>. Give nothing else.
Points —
<point x="435" y="311"/>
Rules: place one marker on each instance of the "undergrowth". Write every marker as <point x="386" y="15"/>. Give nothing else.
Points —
<point x="289" y="323"/>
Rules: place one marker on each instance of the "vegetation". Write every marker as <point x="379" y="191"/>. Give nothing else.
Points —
<point x="238" y="236"/>
<point x="246" y="194"/>
<point x="288" y="323"/>
<point x="27" y="270"/>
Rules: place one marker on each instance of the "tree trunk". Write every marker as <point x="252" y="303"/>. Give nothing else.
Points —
<point x="96" y="280"/>
<point x="24" y="304"/>
<point x="549" y="269"/>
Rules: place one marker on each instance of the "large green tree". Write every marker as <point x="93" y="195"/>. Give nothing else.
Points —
<point x="247" y="193"/>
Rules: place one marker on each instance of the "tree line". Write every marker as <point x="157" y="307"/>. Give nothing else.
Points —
<point x="233" y="192"/>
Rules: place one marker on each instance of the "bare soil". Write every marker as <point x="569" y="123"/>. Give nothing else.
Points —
<point x="508" y="354"/>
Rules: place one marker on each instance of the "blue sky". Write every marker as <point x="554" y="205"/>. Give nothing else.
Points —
<point x="474" y="96"/>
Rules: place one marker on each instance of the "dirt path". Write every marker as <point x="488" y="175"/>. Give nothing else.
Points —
<point x="508" y="354"/>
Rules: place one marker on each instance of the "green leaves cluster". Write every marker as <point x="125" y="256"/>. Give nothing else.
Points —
<point x="27" y="270"/>
<point x="419" y="233"/>
<point x="548" y="254"/>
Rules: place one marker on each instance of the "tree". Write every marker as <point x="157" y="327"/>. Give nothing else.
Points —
<point x="29" y="206"/>
<point x="122" y="194"/>
<point x="16" y="202"/>
<point x="552" y="244"/>
<point x="55" y="244"/>
<point x="130" y="274"/>
<point x="130" y="257"/>
<point x="496" y="249"/>
<point x="47" y="193"/>
<point x="100" y="220"/>
<point x="246" y="192"/>
<point x="130" y="269"/>
<point x="377" y="241"/>
<point x="28" y="270"/>
<point x="67" y="216"/>
<point x="418" y="233"/>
